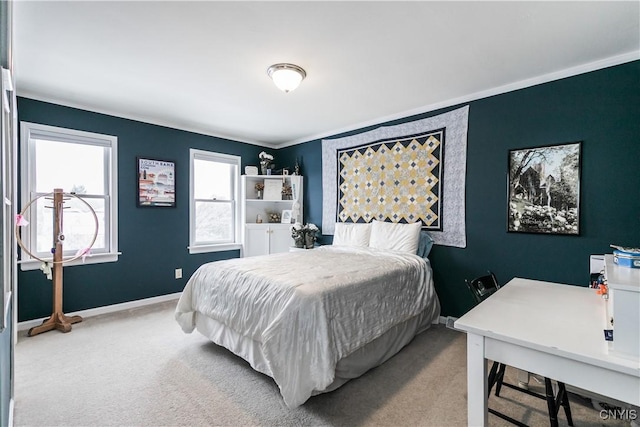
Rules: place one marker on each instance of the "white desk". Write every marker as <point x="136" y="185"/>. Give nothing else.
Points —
<point x="550" y="329"/>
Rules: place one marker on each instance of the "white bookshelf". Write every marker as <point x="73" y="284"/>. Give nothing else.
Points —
<point x="268" y="237"/>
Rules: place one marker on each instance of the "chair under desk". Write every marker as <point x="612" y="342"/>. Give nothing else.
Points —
<point x="551" y="329"/>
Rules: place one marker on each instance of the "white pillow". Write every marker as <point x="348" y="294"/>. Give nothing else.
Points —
<point x="395" y="236"/>
<point x="350" y="234"/>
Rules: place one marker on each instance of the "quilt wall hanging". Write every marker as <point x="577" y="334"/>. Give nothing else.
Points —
<point x="409" y="172"/>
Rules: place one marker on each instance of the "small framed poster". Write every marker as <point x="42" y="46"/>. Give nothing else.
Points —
<point x="272" y="189"/>
<point x="156" y="183"/>
<point x="286" y="216"/>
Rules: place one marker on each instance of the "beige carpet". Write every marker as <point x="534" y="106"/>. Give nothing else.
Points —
<point x="137" y="368"/>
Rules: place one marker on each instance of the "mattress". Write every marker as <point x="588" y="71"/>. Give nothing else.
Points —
<point x="298" y="317"/>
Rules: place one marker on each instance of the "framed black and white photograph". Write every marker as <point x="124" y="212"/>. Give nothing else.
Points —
<point x="544" y="189"/>
<point x="156" y="183"/>
<point x="286" y="216"/>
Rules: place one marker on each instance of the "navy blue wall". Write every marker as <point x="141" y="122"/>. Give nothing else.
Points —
<point x="153" y="241"/>
<point x="600" y="108"/>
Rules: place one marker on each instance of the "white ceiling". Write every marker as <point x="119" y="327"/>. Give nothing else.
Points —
<point x="201" y="66"/>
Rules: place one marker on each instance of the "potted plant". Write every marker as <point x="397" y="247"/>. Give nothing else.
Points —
<point x="265" y="162"/>
<point x="304" y="236"/>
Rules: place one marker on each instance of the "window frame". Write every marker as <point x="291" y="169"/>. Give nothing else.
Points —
<point x="194" y="246"/>
<point x="31" y="131"/>
<point x="9" y="188"/>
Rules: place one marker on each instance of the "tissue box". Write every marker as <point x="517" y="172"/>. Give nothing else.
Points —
<point x="626" y="259"/>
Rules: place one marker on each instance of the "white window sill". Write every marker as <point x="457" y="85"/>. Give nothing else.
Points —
<point x="34" y="264"/>
<point x="200" y="249"/>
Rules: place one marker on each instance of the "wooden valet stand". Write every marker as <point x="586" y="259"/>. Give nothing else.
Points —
<point x="58" y="319"/>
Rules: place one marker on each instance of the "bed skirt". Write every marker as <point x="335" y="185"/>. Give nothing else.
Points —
<point x="352" y="366"/>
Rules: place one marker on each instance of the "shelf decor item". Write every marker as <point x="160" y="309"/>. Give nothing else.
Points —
<point x="265" y="162"/>
<point x="287" y="192"/>
<point x="272" y="189"/>
<point x="286" y="216"/>
<point x="259" y="188"/>
<point x="274" y="217"/>
<point x="544" y="190"/>
<point x="156" y="183"/>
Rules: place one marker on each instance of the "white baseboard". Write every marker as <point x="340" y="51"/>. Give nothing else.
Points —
<point x="448" y="321"/>
<point x="10" y="421"/>
<point x="27" y="324"/>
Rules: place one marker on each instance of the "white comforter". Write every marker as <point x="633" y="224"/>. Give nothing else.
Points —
<point x="309" y="309"/>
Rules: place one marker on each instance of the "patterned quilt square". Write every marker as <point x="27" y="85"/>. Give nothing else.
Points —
<point x="397" y="180"/>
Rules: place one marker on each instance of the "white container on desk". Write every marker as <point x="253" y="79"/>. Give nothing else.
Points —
<point x="623" y="306"/>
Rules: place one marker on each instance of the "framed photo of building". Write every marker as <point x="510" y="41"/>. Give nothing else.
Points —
<point x="544" y="189"/>
<point x="286" y="216"/>
<point x="156" y="183"/>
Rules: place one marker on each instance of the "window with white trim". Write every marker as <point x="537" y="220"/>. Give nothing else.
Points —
<point x="213" y="202"/>
<point x="78" y="162"/>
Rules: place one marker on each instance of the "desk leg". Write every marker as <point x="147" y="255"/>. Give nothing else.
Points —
<point x="476" y="381"/>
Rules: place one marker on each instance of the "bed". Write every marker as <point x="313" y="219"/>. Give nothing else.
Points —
<point x="312" y="320"/>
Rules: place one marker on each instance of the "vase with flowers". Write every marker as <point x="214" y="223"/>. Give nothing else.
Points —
<point x="265" y="162"/>
<point x="259" y="187"/>
<point x="304" y="236"/>
<point x="287" y="192"/>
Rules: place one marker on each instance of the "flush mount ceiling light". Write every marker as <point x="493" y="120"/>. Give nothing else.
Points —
<point x="286" y="76"/>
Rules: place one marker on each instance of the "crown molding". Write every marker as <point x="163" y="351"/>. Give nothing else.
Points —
<point x="139" y="118"/>
<point x="545" y="78"/>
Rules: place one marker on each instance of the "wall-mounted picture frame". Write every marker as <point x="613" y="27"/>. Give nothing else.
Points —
<point x="285" y="218"/>
<point x="156" y="182"/>
<point x="544" y="189"/>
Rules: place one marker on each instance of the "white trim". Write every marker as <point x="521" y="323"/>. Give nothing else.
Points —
<point x="230" y="159"/>
<point x="34" y="264"/>
<point x="200" y="249"/>
<point x="11" y="410"/>
<point x="7" y="303"/>
<point x="27" y="324"/>
<point x="545" y="78"/>
<point x="30" y="131"/>
<point x="60" y="134"/>
<point x="139" y="117"/>
<point x="215" y="157"/>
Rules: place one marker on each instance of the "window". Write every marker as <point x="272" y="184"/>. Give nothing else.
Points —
<point x="213" y="202"/>
<point x="78" y="162"/>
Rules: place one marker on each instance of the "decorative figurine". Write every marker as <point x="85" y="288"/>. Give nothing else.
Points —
<point x="296" y="168"/>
